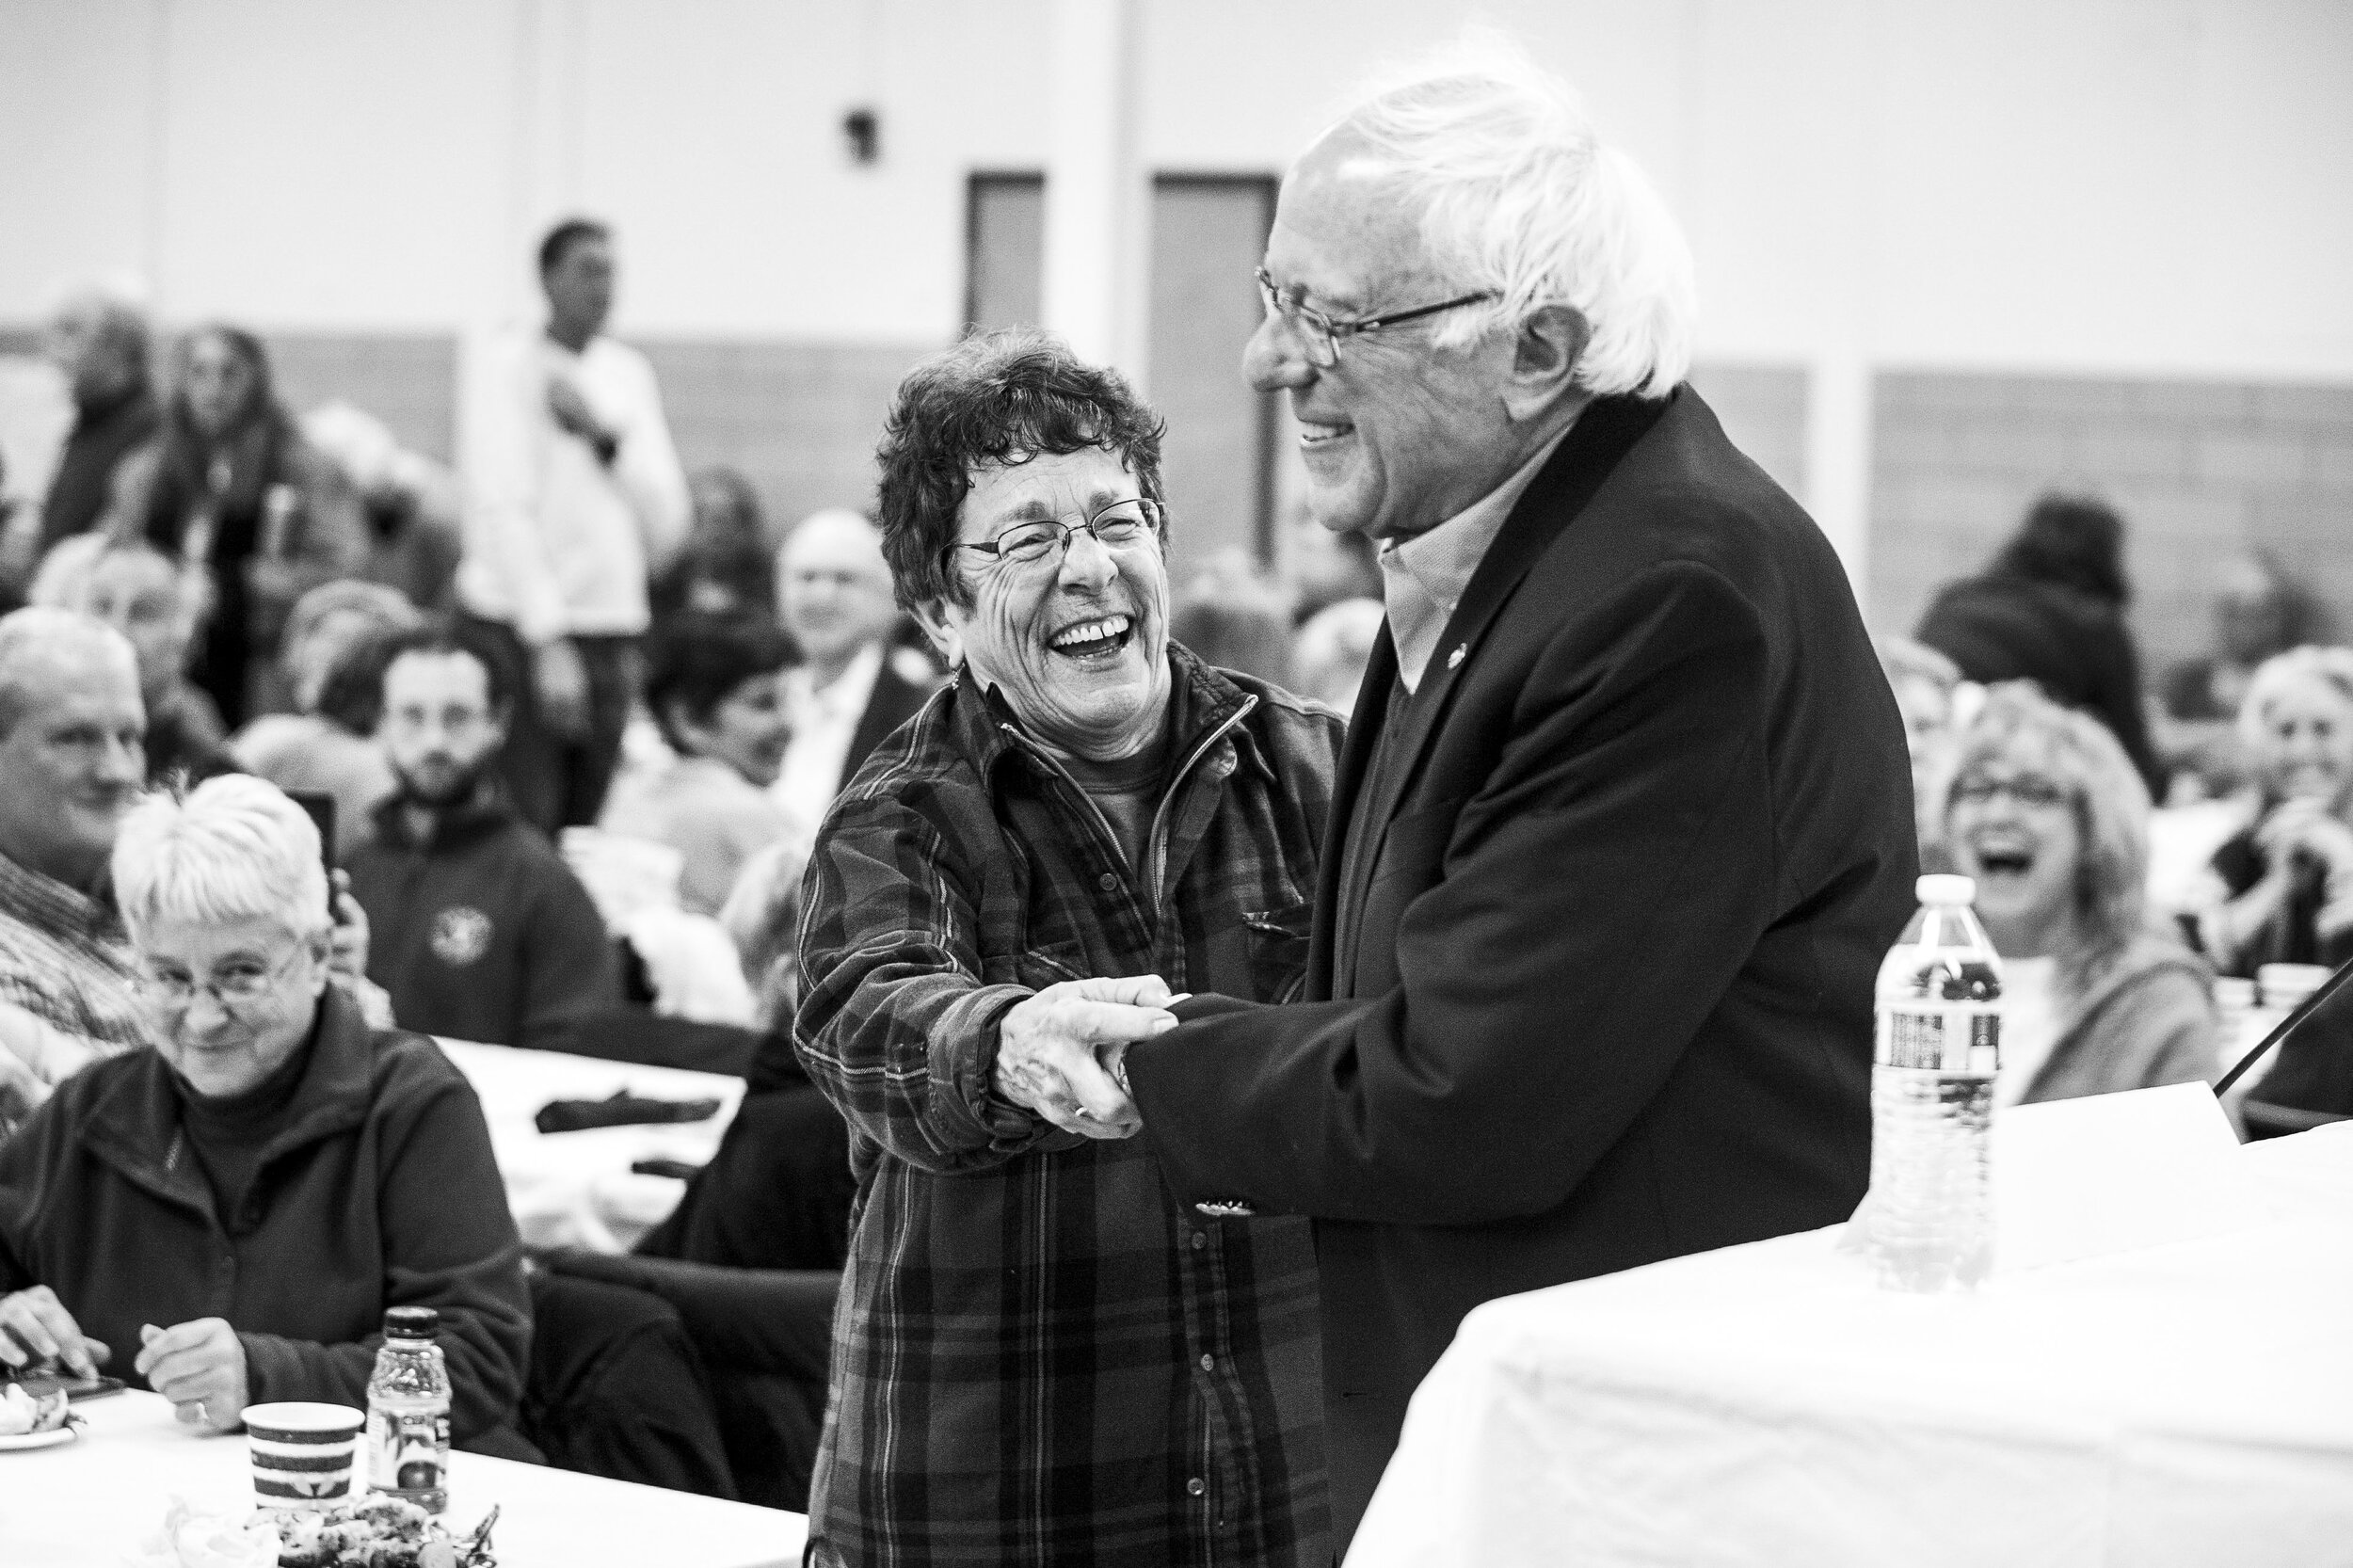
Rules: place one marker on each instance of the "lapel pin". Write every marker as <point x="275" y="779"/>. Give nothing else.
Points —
<point x="1456" y="657"/>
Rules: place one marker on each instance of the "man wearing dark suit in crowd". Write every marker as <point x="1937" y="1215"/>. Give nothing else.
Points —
<point x="98" y="339"/>
<point x="1625" y="819"/>
<point x="833" y="592"/>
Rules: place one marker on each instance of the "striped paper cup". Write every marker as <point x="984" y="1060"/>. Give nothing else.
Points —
<point x="302" y="1452"/>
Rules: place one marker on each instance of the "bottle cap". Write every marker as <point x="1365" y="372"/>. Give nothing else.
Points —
<point x="1946" y="888"/>
<point x="411" y="1323"/>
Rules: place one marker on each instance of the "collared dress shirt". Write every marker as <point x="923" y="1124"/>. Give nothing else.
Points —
<point x="1423" y="576"/>
<point x="824" y="722"/>
<point x="558" y="543"/>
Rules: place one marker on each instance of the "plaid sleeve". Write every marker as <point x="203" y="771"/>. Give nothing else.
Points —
<point x="895" y="1024"/>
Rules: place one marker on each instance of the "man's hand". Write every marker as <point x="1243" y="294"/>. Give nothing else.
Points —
<point x="35" y="1329"/>
<point x="200" y="1367"/>
<point x="349" y="958"/>
<point x="572" y="412"/>
<point x="1046" y="1045"/>
<point x="561" y="681"/>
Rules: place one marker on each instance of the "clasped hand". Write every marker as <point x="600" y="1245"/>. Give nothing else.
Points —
<point x="1048" y="1051"/>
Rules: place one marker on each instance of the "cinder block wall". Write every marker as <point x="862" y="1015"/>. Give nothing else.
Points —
<point x="2200" y="469"/>
<point x="799" y="419"/>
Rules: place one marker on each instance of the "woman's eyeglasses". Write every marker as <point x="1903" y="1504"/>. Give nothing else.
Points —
<point x="1122" y="523"/>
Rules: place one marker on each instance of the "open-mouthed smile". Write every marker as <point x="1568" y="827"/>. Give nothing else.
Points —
<point x="1102" y="637"/>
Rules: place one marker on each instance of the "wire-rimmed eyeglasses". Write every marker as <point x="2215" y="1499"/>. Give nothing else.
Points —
<point x="1121" y="522"/>
<point x="239" y="986"/>
<point x="1321" y="334"/>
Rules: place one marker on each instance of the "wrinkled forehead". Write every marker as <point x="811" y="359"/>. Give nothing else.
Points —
<point x="1044" y="486"/>
<point x="2306" y="694"/>
<point x="1344" y="225"/>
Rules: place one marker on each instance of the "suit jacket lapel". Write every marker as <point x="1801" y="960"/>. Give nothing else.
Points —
<point x="1603" y="435"/>
<point x="1356" y="754"/>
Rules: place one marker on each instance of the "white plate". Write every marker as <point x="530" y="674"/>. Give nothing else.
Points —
<point x="49" y="1439"/>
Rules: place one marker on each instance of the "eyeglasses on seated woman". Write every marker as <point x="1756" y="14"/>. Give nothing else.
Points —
<point x="2042" y="806"/>
<point x="224" y="1217"/>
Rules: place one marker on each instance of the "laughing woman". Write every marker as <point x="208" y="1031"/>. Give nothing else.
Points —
<point x="2043" y="809"/>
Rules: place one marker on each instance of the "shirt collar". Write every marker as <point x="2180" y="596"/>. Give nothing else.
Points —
<point x="1424" y="577"/>
<point x="1439" y="561"/>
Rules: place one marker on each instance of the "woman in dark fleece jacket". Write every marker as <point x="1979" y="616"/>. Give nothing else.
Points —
<point x="225" y="1217"/>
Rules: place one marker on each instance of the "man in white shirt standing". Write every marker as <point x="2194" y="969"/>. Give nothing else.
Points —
<point x="575" y="495"/>
<point x="834" y="595"/>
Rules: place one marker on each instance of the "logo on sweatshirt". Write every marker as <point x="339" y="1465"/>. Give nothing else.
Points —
<point x="462" y="934"/>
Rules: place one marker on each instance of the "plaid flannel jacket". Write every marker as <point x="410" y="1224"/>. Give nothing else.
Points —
<point x="1040" y="1355"/>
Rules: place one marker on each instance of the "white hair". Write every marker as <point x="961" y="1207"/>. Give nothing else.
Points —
<point x="61" y="581"/>
<point x="51" y="635"/>
<point x="1521" y="197"/>
<point x="2327" y="668"/>
<point x="233" y="848"/>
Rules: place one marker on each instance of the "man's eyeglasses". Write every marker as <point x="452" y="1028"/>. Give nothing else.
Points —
<point x="1122" y="523"/>
<point x="2028" y="789"/>
<point x="240" y="985"/>
<point x="1321" y="334"/>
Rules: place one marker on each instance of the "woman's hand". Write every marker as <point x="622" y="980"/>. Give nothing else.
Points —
<point x="1047" y="1044"/>
<point x="35" y="1330"/>
<point x="200" y="1367"/>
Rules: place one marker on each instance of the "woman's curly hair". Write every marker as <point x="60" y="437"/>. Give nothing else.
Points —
<point x="995" y="399"/>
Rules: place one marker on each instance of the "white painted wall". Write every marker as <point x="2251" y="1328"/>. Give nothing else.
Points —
<point x="2145" y="187"/>
<point x="2123" y="184"/>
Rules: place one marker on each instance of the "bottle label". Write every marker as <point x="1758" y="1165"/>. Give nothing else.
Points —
<point x="1962" y="1039"/>
<point x="407" y="1450"/>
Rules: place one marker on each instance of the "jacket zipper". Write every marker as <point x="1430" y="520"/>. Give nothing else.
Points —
<point x="1156" y="849"/>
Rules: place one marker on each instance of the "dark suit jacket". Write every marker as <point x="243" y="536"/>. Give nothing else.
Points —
<point x="894" y="702"/>
<point x="1610" y="997"/>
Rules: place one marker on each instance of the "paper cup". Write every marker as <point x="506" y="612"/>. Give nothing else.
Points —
<point x="302" y="1452"/>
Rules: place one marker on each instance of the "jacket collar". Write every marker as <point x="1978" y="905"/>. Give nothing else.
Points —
<point x="486" y="813"/>
<point x="134" y="1124"/>
<point x="987" y="732"/>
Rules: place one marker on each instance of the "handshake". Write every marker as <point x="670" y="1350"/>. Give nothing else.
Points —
<point x="1059" y="1052"/>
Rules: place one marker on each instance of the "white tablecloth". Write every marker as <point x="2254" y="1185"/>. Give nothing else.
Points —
<point x="1768" y="1404"/>
<point x="575" y="1189"/>
<point x="84" y="1504"/>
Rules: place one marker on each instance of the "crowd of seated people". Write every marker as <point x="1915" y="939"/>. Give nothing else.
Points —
<point x="225" y="590"/>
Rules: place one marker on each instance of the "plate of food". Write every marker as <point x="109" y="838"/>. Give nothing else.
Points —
<point x="370" y="1530"/>
<point x="34" y="1420"/>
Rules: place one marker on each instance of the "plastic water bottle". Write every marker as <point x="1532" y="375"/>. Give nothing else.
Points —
<point x="408" y="1410"/>
<point x="1928" y="1220"/>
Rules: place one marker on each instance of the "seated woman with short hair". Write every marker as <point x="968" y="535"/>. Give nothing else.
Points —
<point x="714" y="685"/>
<point x="2043" y="809"/>
<point x="225" y="1217"/>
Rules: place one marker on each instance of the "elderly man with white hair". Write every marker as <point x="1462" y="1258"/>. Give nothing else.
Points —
<point x="834" y="595"/>
<point x="72" y="733"/>
<point x="1625" y="821"/>
<point x="226" y="1217"/>
<point x="72" y="762"/>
